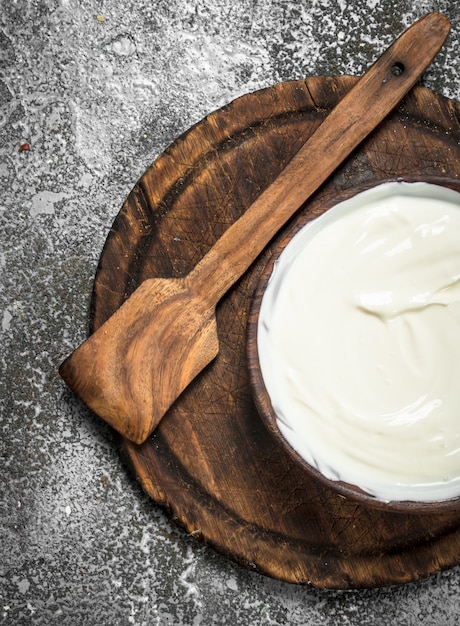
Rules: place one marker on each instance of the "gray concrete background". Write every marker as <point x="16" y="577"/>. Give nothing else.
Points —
<point x="98" y="89"/>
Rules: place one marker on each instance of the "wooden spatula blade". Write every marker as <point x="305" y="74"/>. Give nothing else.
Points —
<point x="135" y="365"/>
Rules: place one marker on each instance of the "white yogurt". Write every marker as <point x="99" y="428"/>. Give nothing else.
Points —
<point x="359" y="342"/>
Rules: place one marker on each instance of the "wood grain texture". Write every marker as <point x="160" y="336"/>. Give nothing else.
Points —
<point x="138" y="363"/>
<point x="211" y="461"/>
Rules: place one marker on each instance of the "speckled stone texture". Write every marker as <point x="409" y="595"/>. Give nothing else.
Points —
<point x="97" y="89"/>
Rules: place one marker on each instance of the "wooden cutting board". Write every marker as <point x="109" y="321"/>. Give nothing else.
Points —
<point x="211" y="462"/>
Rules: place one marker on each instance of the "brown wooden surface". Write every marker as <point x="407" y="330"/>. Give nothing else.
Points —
<point x="137" y="364"/>
<point x="211" y="461"/>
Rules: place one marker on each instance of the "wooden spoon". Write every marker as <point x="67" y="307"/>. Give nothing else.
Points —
<point x="137" y="363"/>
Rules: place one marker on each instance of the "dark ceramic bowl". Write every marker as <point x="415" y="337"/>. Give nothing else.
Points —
<point x="262" y="397"/>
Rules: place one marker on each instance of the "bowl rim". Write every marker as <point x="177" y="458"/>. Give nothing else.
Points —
<point x="260" y="394"/>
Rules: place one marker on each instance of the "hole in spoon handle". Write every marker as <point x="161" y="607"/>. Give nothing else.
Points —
<point x="398" y="68"/>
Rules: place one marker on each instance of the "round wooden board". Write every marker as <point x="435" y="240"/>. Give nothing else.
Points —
<point x="211" y="461"/>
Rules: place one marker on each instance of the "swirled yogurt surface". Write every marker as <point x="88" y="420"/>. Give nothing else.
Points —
<point x="359" y="342"/>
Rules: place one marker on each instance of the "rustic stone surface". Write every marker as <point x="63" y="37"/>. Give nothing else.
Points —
<point x="90" y="94"/>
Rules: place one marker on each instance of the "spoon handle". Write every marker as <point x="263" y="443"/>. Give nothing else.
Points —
<point x="379" y="90"/>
